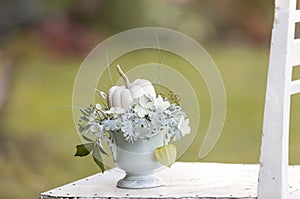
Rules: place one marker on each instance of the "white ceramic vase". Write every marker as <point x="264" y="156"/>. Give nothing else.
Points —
<point x="138" y="161"/>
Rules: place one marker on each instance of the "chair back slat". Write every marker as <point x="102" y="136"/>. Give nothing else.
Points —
<point x="297" y="16"/>
<point x="284" y="55"/>
<point x="295" y="87"/>
<point x="295" y="58"/>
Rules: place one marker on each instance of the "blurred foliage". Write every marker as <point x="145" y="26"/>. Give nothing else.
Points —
<point x="47" y="40"/>
<point x="221" y="20"/>
<point x="233" y="20"/>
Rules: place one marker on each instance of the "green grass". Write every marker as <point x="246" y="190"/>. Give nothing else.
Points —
<point x="38" y="139"/>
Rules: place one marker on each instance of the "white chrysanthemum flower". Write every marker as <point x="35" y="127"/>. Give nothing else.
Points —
<point x="141" y="111"/>
<point x="183" y="126"/>
<point x="142" y="108"/>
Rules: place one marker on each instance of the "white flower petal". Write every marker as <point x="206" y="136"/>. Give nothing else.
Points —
<point x="160" y="102"/>
<point x="141" y="112"/>
<point x="183" y="126"/>
<point x="165" y="105"/>
<point x="149" y="105"/>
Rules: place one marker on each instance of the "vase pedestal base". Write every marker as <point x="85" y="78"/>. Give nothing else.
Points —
<point x="139" y="181"/>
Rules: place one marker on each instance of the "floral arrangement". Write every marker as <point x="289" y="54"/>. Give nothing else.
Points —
<point x="142" y="118"/>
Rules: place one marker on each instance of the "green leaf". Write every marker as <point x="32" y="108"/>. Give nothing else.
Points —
<point x="84" y="149"/>
<point x="102" y="150"/>
<point x="84" y="112"/>
<point x="87" y="138"/>
<point x="166" y="155"/>
<point x="83" y="128"/>
<point x="84" y="118"/>
<point x="98" y="159"/>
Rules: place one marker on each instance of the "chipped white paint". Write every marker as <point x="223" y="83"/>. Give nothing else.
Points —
<point x="273" y="175"/>
<point x="182" y="180"/>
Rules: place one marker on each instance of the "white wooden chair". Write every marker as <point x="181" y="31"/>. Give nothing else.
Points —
<point x="285" y="54"/>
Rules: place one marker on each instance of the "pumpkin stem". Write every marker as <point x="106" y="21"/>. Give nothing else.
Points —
<point x="123" y="76"/>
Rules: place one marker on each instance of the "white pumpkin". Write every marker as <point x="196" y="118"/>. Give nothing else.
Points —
<point x="122" y="96"/>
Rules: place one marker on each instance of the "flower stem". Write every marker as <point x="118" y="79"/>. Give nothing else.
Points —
<point x="123" y="76"/>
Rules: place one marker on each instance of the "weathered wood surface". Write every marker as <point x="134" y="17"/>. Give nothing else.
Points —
<point x="182" y="180"/>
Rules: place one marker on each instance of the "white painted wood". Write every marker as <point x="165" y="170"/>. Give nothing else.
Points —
<point x="182" y="180"/>
<point x="273" y="174"/>
<point x="294" y="194"/>
<point x="296" y="53"/>
<point x="297" y="16"/>
<point x="295" y="87"/>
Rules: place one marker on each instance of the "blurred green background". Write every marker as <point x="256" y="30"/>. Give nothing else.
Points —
<point x="42" y="44"/>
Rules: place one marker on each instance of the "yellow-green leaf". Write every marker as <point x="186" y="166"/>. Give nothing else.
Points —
<point x="84" y="149"/>
<point x="166" y="155"/>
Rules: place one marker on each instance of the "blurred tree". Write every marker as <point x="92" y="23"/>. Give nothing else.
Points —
<point x="5" y="80"/>
<point x="227" y="20"/>
<point x="5" y="74"/>
<point x="61" y="34"/>
<point x="221" y="20"/>
<point x="239" y="20"/>
<point x="15" y="14"/>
